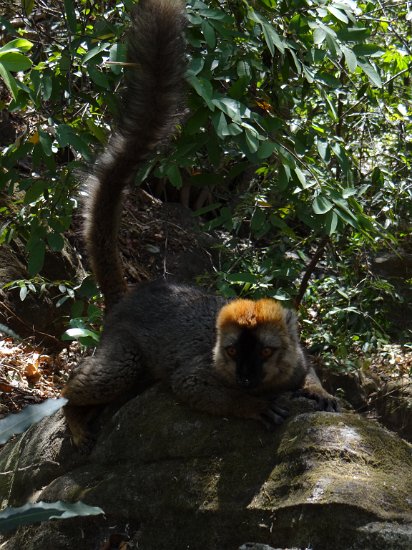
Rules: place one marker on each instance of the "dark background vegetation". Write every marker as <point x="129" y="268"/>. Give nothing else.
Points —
<point x="295" y="150"/>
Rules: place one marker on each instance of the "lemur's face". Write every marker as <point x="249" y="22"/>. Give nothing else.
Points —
<point x="256" y="343"/>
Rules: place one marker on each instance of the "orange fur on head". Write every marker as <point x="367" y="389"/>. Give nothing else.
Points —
<point x="249" y="314"/>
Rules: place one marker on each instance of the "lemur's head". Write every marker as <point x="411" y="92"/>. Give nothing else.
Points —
<point x="257" y="343"/>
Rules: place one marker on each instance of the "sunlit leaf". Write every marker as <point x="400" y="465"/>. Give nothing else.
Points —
<point x="350" y="59"/>
<point x="95" y="51"/>
<point x="18" y="423"/>
<point x="12" y="518"/>
<point x="252" y="141"/>
<point x="78" y="333"/>
<point x="371" y="73"/>
<point x="18" y="44"/>
<point x="319" y="35"/>
<point x="340" y="15"/>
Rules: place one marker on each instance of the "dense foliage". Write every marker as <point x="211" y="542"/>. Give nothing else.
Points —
<point x="296" y="145"/>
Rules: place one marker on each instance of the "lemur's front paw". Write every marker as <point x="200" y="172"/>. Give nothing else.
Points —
<point x="273" y="415"/>
<point x="324" y="400"/>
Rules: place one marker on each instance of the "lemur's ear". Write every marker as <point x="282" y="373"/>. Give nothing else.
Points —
<point x="291" y="321"/>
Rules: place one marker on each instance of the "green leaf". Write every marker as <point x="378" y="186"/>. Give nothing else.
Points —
<point x="174" y="175"/>
<point x="69" y="8"/>
<point x="239" y="87"/>
<point x="328" y="79"/>
<point x="333" y="46"/>
<point x="67" y="137"/>
<point x="269" y="3"/>
<point x="219" y="15"/>
<point x="224" y="219"/>
<point x="203" y="88"/>
<point x="234" y="109"/>
<point x="301" y="142"/>
<point x="233" y="129"/>
<point x="353" y="34"/>
<point x="266" y="149"/>
<point x="118" y="54"/>
<point x="95" y="51"/>
<point x="332" y="110"/>
<point x="272" y="38"/>
<point x="35" y="191"/>
<point x="9" y="80"/>
<point x="95" y="130"/>
<point x="321" y="205"/>
<point x="349" y="192"/>
<point x="343" y="214"/>
<point x="258" y="220"/>
<point x="343" y="209"/>
<point x="36" y="248"/>
<point x="56" y="241"/>
<point x="15" y="61"/>
<point x="252" y="140"/>
<point x="18" y="423"/>
<point x="309" y="74"/>
<point x="302" y="178"/>
<point x="340" y="15"/>
<point x="350" y="59"/>
<point x="98" y="77"/>
<point x="46" y="143"/>
<point x="331" y="222"/>
<point x="377" y="176"/>
<point x="323" y="150"/>
<point x="88" y="288"/>
<point x="319" y="36"/>
<point x="220" y="125"/>
<point x="198" y="120"/>
<point x="244" y="70"/>
<point x="27" y="6"/>
<point x="368" y="50"/>
<point x="77" y="333"/>
<point x="341" y="156"/>
<point x="284" y="176"/>
<point x="23" y="293"/>
<point x="195" y="66"/>
<point x="18" y="44"/>
<point x="371" y="73"/>
<point x="209" y="34"/>
<point x="11" y="518"/>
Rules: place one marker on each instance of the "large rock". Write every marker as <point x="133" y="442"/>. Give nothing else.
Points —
<point x="172" y="479"/>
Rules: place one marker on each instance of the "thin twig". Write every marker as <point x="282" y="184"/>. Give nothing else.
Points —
<point x="310" y="269"/>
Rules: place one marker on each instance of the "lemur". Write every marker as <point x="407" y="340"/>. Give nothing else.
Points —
<point x="228" y="358"/>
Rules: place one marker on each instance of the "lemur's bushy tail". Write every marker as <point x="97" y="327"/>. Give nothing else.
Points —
<point x="154" y="83"/>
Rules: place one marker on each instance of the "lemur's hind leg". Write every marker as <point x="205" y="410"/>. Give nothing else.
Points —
<point x="113" y="374"/>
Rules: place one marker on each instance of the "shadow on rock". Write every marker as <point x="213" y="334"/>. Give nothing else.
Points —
<point x="170" y="478"/>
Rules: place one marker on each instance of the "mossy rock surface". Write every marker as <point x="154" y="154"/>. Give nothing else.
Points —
<point x="172" y="479"/>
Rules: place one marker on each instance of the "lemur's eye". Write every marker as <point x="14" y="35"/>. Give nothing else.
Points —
<point x="266" y="352"/>
<point x="231" y="351"/>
